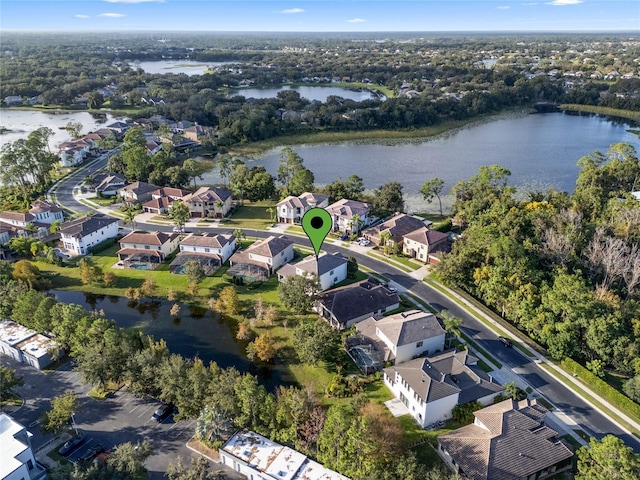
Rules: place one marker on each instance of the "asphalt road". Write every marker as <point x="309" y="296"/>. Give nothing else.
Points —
<point x="567" y="401"/>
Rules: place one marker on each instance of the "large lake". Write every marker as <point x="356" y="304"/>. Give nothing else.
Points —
<point x="23" y="122"/>
<point x="540" y="150"/>
<point x="205" y="337"/>
<point x="311" y="92"/>
<point x="188" y="67"/>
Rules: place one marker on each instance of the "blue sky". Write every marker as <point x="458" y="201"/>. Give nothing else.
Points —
<point x="322" y="15"/>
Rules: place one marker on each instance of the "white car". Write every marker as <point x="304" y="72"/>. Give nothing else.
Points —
<point x="178" y="230"/>
<point x="364" y="242"/>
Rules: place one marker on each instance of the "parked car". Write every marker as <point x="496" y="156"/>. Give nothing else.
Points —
<point x="163" y="411"/>
<point x="343" y="237"/>
<point x="92" y="453"/>
<point x="373" y="280"/>
<point x="178" y="230"/>
<point x="71" y="445"/>
<point x="391" y="289"/>
<point x="364" y="243"/>
<point x="505" y="341"/>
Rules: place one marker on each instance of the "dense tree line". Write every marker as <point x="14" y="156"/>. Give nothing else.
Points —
<point x="563" y="268"/>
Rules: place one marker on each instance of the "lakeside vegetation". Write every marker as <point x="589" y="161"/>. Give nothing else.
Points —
<point x="611" y="112"/>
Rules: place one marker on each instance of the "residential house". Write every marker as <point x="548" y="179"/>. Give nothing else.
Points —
<point x="82" y="233"/>
<point x="13" y="101"/>
<point x="330" y="269"/>
<point x="258" y="458"/>
<point x="423" y="244"/>
<point x="343" y="214"/>
<point x="196" y="132"/>
<point x="18" y="219"/>
<point x="291" y="209"/>
<point x="261" y="259"/>
<point x="137" y="192"/>
<point x="404" y="336"/>
<point x="17" y="460"/>
<point x="209" y="202"/>
<point x="146" y="250"/>
<point x="430" y="387"/>
<point x="396" y="227"/>
<point x="74" y="152"/>
<point x="108" y="184"/>
<point x="27" y="346"/>
<point x="346" y="306"/>
<point x="7" y="232"/>
<point x="118" y="128"/>
<point x="506" y="441"/>
<point x="210" y="250"/>
<point x="46" y="212"/>
<point x="158" y="205"/>
<point x="173" y="193"/>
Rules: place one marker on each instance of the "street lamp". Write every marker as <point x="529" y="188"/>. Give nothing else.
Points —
<point x="73" y="422"/>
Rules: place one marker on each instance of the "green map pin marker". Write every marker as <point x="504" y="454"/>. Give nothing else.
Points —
<point x="316" y="223"/>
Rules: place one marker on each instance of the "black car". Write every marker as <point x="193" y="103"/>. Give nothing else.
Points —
<point x="71" y="445"/>
<point x="92" y="453"/>
<point x="163" y="411"/>
<point x="505" y="341"/>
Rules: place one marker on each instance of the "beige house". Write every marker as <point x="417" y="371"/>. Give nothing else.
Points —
<point x="262" y="259"/>
<point x="397" y="227"/>
<point x="146" y="250"/>
<point x="209" y="202"/>
<point x="423" y="243"/>
<point x="291" y="209"/>
<point x="345" y="211"/>
<point x="506" y="441"/>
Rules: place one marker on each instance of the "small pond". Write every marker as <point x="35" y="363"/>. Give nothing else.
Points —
<point x="195" y="333"/>
<point x="311" y="92"/>
<point x="189" y="67"/>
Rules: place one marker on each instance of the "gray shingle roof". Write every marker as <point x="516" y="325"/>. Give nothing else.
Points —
<point x="398" y="226"/>
<point x="409" y="327"/>
<point x="348" y="208"/>
<point x="270" y="246"/>
<point x="325" y="263"/>
<point x="81" y="227"/>
<point x="354" y="301"/>
<point x="508" y="441"/>
<point x="214" y="240"/>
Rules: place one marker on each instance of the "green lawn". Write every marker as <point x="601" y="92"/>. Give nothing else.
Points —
<point x="251" y="215"/>
<point x="402" y="263"/>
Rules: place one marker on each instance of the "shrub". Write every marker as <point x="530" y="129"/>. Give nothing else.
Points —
<point x="103" y="245"/>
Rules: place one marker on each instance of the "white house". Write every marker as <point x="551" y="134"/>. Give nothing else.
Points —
<point x="266" y="255"/>
<point x="430" y="387"/>
<point x="17" y="461"/>
<point x="17" y="219"/>
<point x="137" y="192"/>
<point x="259" y="458"/>
<point x="210" y="250"/>
<point x="406" y="335"/>
<point x="46" y="212"/>
<point x="291" y="209"/>
<point x="108" y="184"/>
<point x="329" y="268"/>
<point x="343" y="213"/>
<point x="26" y="345"/>
<point x="147" y="248"/>
<point x="80" y="234"/>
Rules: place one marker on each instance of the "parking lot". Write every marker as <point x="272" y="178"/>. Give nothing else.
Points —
<point x="118" y="419"/>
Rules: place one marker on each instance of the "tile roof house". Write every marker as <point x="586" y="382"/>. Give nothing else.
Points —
<point x="329" y="268"/>
<point x="291" y="209"/>
<point x="148" y="249"/>
<point x="265" y="255"/>
<point x="18" y="219"/>
<point x="506" y="441"/>
<point x="17" y="459"/>
<point x="173" y="193"/>
<point x="82" y="233"/>
<point x="346" y="306"/>
<point x="431" y="386"/>
<point x="423" y="244"/>
<point x="397" y="226"/>
<point x="404" y="336"/>
<point x="137" y="192"/>
<point x="210" y="250"/>
<point x="342" y="213"/>
<point x="257" y="457"/>
<point x="157" y="205"/>
<point x="209" y="202"/>
<point x="46" y="212"/>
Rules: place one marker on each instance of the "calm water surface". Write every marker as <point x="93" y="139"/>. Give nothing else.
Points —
<point x="189" y="67"/>
<point x="203" y="336"/>
<point x="540" y="150"/>
<point x="311" y="92"/>
<point x="23" y="122"/>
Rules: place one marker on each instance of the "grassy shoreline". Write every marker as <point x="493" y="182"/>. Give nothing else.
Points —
<point x="613" y="112"/>
<point x="416" y="135"/>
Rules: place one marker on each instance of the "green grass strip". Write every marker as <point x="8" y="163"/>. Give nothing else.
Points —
<point x="391" y="262"/>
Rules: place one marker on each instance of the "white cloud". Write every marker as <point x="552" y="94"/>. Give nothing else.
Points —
<point x="81" y="16"/>
<point x="112" y="15"/>
<point x="561" y="3"/>
<point x="356" y="20"/>
<point x="292" y="10"/>
<point x="134" y="1"/>
<point x="504" y="7"/>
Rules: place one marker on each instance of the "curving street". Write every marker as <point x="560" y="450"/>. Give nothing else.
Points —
<point x="566" y="401"/>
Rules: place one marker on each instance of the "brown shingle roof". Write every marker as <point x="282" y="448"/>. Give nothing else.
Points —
<point x="508" y="441"/>
<point x="214" y="240"/>
<point x="148" y="238"/>
<point x="208" y="194"/>
<point x="158" y="203"/>
<point x="19" y="216"/>
<point x="170" y="192"/>
<point x="348" y="208"/>
<point x="43" y="206"/>
<point x="426" y="236"/>
<point x="410" y="327"/>
<point x="398" y="226"/>
<point x="270" y="246"/>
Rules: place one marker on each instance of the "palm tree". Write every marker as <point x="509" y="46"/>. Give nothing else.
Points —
<point x="220" y="205"/>
<point x="129" y="217"/>
<point x="451" y="325"/>
<point x="270" y="211"/>
<point x="355" y="223"/>
<point x="239" y="234"/>
<point x="385" y="240"/>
